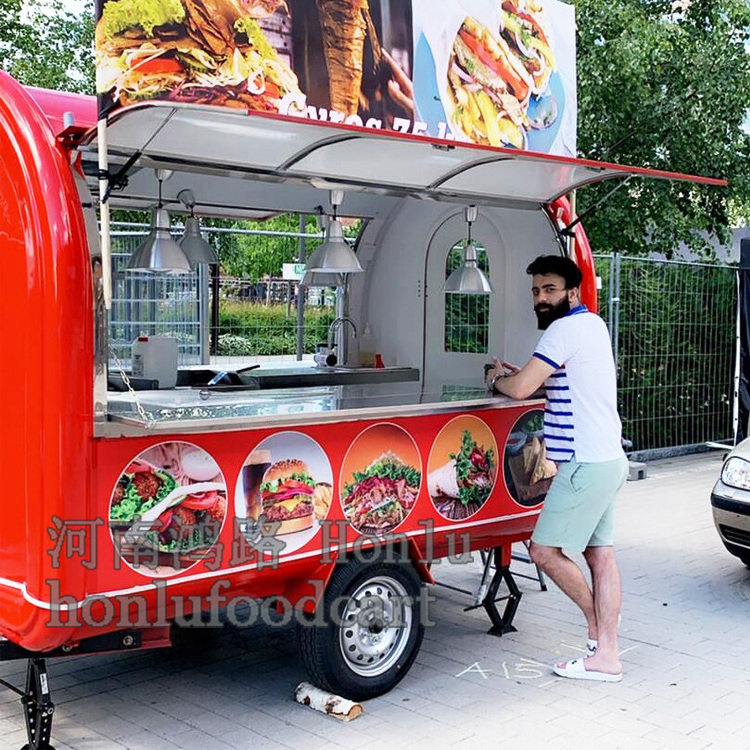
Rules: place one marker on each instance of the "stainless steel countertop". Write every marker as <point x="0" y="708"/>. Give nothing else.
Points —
<point x="189" y="410"/>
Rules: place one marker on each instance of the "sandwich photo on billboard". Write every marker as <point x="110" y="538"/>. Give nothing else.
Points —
<point x="492" y="77"/>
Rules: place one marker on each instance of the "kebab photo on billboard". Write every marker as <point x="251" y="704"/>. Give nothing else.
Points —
<point x="461" y="487"/>
<point x="492" y="77"/>
<point x="362" y="79"/>
<point x="379" y="498"/>
<point x="195" y="51"/>
<point x="170" y="500"/>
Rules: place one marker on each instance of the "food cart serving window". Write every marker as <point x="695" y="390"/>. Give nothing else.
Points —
<point x="321" y="487"/>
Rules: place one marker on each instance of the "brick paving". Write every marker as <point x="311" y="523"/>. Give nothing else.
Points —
<point x="683" y="637"/>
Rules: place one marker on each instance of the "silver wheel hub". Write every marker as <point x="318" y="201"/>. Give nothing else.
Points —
<point x="376" y="622"/>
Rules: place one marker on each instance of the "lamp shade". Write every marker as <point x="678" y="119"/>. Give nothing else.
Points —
<point x="468" y="278"/>
<point x="334" y="255"/>
<point x="316" y="278"/>
<point x="159" y="252"/>
<point x="196" y="249"/>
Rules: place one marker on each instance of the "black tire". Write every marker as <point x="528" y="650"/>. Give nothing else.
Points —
<point x="346" y="649"/>
<point x="740" y="552"/>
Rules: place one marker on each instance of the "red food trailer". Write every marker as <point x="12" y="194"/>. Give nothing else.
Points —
<point x="329" y="493"/>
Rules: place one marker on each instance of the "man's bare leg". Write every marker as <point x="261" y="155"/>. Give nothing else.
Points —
<point x="607" y="602"/>
<point x="569" y="577"/>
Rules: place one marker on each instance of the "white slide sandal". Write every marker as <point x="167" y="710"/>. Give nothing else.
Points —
<point x="576" y="670"/>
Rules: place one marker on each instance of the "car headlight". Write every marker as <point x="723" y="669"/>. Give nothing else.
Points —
<point x="736" y="473"/>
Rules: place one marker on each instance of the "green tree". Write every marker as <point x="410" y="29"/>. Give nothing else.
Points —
<point x="43" y="44"/>
<point x="664" y="84"/>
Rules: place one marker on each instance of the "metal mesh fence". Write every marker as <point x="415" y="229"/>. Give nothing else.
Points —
<point x="673" y="328"/>
<point x="146" y="304"/>
<point x="227" y="318"/>
<point x="467" y="316"/>
<point x="257" y="313"/>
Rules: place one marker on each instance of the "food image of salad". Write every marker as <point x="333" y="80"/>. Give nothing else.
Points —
<point x="380" y="497"/>
<point x="162" y="509"/>
<point x="460" y="487"/>
<point x="139" y="488"/>
<point x="534" y="424"/>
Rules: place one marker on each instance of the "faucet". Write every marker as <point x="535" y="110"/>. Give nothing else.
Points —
<point x="338" y="323"/>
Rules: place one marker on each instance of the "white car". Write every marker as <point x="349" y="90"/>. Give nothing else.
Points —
<point x="730" y="500"/>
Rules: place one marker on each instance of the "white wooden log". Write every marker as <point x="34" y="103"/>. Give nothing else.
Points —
<point x="327" y="703"/>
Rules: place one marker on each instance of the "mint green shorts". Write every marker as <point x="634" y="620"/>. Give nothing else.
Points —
<point x="579" y="508"/>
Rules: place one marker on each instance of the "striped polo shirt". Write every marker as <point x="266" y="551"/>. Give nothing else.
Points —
<point x="580" y="416"/>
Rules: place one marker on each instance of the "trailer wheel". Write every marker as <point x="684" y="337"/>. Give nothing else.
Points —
<point x="371" y="629"/>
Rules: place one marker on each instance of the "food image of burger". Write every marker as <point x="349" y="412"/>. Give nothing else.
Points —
<point x="461" y="487"/>
<point x="381" y="496"/>
<point x="287" y="495"/>
<point x="196" y="51"/>
<point x="491" y="78"/>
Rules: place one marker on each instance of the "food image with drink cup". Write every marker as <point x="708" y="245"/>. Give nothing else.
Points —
<point x="286" y="479"/>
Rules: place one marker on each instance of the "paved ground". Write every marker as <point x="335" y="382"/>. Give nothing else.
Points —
<point x="684" y="640"/>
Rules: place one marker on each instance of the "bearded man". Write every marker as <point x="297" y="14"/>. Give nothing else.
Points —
<point x="582" y="433"/>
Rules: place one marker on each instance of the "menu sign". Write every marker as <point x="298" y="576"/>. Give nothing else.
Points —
<point x="493" y="72"/>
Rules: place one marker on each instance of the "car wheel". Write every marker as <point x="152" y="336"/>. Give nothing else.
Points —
<point x="740" y="552"/>
<point x="369" y="631"/>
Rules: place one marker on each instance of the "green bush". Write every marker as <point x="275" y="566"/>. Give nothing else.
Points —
<point x="250" y="328"/>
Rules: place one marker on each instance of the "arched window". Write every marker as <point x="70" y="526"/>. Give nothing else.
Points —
<point x="467" y="316"/>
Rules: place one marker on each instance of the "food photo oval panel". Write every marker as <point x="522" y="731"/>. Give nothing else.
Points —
<point x="380" y="479"/>
<point x="462" y="469"/>
<point x="168" y="508"/>
<point x="286" y="480"/>
<point x="528" y="470"/>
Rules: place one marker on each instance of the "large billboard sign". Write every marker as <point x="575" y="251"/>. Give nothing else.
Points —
<point x="493" y="72"/>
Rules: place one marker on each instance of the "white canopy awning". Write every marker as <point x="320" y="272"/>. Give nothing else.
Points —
<point x="293" y="159"/>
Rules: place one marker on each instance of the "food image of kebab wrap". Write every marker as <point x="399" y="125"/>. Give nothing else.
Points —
<point x="199" y="51"/>
<point x="460" y="487"/>
<point x="525" y="36"/>
<point x="344" y="30"/>
<point x="381" y="496"/>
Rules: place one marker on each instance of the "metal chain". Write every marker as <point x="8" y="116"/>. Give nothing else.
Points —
<point x="125" y="379"/>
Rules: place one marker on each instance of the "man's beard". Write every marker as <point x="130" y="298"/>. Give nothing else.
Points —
<point x="547" y="314"/>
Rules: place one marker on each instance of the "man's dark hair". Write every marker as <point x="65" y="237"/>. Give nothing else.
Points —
<point x="557" y="264"/>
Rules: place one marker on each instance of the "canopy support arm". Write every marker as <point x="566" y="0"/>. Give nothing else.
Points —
<point x="568" y="230"/>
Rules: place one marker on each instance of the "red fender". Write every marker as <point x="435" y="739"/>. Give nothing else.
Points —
<point x="561" y="214"/>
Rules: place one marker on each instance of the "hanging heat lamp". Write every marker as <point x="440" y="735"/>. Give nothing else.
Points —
<point x="334" y="256"/>
<point x="196" y="249"/>
<point x="159" y="253"/>
<point x="468" y="278"/>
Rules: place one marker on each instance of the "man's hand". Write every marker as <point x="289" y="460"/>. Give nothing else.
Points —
<point x="520" y="382"/>
<point x="500" y="370"/>
<point x="512" y="369"/>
